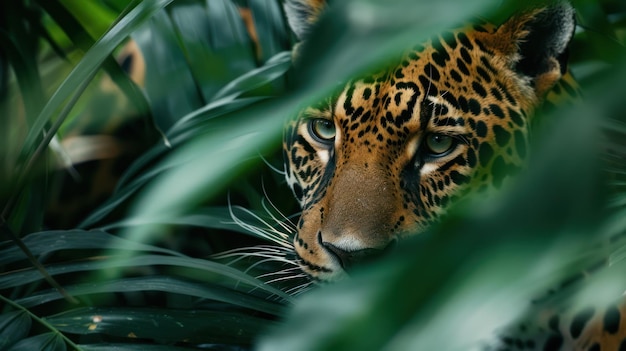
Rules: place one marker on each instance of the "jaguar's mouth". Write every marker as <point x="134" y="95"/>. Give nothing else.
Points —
<point x="328" y="262"/>
<point x="350" y="259"/>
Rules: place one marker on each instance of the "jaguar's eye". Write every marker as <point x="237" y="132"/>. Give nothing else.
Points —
<point x="439" y="144"/>
<point x="322" y="130"/>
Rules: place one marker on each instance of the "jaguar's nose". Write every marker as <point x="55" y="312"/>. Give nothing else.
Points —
<point x="348" y="259"/>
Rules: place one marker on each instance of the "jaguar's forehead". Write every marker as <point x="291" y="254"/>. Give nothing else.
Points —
<point x="452" y="81"/>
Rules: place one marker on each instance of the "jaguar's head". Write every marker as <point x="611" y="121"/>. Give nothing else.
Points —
<point x="389" y="154"/>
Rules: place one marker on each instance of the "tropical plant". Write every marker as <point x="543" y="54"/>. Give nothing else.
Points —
<point x="216" y="100"/>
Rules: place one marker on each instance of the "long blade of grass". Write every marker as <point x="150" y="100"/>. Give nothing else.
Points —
<point x="184" y="326"/>
<point x="50" y="241"/>
<point x="163" y="284"/>
<point x="208" y="271"/>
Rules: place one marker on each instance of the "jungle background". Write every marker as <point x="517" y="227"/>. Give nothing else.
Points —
<point x="140" y="145"/>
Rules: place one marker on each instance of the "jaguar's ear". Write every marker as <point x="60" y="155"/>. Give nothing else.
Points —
<point x="302" y="15"/>
<point x="536" y="43"/>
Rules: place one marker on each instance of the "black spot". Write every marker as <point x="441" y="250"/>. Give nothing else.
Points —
<point x="484" y="74"/>
<point x="479" y="89"/>
<point x="474" y="106"/>
<point x="463" y="104"/>
<point x="496" y="110"/>
<point x="481" y="129"/>
<point x="459" y="160"/>
<point x="506" y="93"/>
<point x="367" y="92"/>
<point x="580" y="320"/>
<point x="424" y="81"/>
<point x="458" y="178"/>
<point x="347" y="105"/>
<point x="471" y="158"/>
<point x="462" y="67"/>
<point x="451" y="100"/>
<point x="611" y="320"/>
<point x="472" y="124"/>
<point x="485" y="153"/>
<point x="553" y="343"/>
<point x="127" y="63"/>
<point x="496" y="94"/>
<point x="365" y="118"/>
<point x="399" y="74"/>
<point x="455" y="75"/>
<point x="357" y="113"/>
<point x="487" y="65"/>
<point x="516" y="118"/>
<point x="465" y="41"/>
<point x="440" y="57"/>
<point x="466" y="56"/>
<point x="502" y="136"/>
<point x="398" y="98"/>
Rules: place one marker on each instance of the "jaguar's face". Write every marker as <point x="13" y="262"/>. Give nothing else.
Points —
<point x="392" y="152"/>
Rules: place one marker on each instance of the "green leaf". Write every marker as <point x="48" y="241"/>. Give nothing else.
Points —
<point x="93" y="16"/>
<point x="41" y="342"/>
<point x="164" y="284"/>
<point x="55" y="240"/>
<point x="162" y="325"/>
<point x="14" y="326"/>
<point x="273" y="69"/>
<point x="133" y="347"/>
<point x="208" y="63"/>
<point x="165" y="62"/>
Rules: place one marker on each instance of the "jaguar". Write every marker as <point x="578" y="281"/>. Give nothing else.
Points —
<point x="388" y="154"/>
